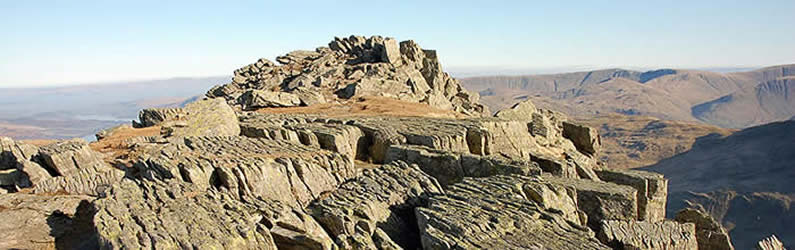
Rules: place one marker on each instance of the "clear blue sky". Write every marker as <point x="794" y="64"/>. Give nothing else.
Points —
<point x="60" y="42"/>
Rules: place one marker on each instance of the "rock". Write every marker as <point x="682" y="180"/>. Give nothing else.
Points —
<point x="602" y="200"/>
<point x="770" y="243"/>
<point x="16" y="165"/>
<point x="350" y="67"/>
<point x="280" y="170"/>
<point x="586" y="139"/>
<point x="495" y="213"/>
<point x="67" y="157"/>
<point x="449" y="168"/>
<point x="383" y="198"/>
<point x="46" y="222"/>
<point x="710" y="234"/>
<point x="652" y="190"/>
<point x="154" y="116"/>
<point x="668" y="235"/>
<point x="87" y="181"/>
<point x="523" y="110"/>
<point x="203" y="117"/>
<point x="111" y="131"/>
<point x="254" y="99"/>
<point x="173" y="214"/>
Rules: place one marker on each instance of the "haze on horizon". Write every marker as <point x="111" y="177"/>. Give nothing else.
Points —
<point x="63" y="42"/>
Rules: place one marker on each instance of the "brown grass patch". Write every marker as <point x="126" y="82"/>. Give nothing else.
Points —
<point x="115" y="146"/>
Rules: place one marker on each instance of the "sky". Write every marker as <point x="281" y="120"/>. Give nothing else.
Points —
<point x="45" y="43"/>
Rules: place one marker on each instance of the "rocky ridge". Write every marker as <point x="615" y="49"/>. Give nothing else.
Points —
<point x="223" y="174"/>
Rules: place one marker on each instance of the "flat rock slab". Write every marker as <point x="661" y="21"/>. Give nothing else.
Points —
<point x="661" y="235"/>
<point x="168" y="215"/>
<point x="211" y="116"/>
<point x="602" y="200"/>
<point x="45" y="222"/>
<point x="495" y="213"/>
<point x="376" y="209"/>
<point x="274" y="169"/>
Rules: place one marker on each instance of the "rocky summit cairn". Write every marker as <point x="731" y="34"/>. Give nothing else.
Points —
<point x="348" y="68"/>
<point x="244" y="168"/>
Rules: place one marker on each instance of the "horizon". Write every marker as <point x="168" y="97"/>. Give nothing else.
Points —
<point x="69" y="44"/>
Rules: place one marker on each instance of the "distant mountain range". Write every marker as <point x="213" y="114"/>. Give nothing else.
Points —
<point x="82" y="110"/>
<point x="730" y="100"/>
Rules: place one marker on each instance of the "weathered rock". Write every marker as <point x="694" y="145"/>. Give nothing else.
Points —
<point x="16" y="165"/>
<point x="203" y="117"/>
<point x="105" y="133"/>
<point x="770" y="243"/>
<point x="652" y="190"/>
<point x="67" y="157"/>
<point x="710" y="234"/>
<point x="602" y="200"/>
<point x="347" y="68"/>
<point x="523" y="110"/>
<point x="495" y="213"/>
<point x="661" y="235"/>
<point x="46" y="222"/>
<point x="254" y="99"/>
<point x="449" y="168"/>
<point x="376" y="207"/>
<point x="173" y="214"/>
<point x="272" y="169"/>
<point x="586" y="139"/>
<point x="154" y="116"/>
<point x="91" y="181"/>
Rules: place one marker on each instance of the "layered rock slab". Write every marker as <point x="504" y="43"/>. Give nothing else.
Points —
<point x="602" y="200"/>
<point x="172" y="214"/>
<point x="273" y="169"/>
<point x="661" y="235"/>
<point x="376" y="209"/>
<point x="497" y="213"/>
<point x="652" y="190"/>
<point x="449" y="168"/>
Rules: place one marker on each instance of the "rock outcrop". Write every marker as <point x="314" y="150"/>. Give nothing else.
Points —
<point x="348" y="68"/>
<point x="252" y="167"/>
<point x="710" y="233"/>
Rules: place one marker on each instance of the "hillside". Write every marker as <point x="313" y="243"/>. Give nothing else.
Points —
<point x="762" y="95"/>
<point x="82" y="110"/>
<point x="744" y="174"/>
<point x="637" y="141"/>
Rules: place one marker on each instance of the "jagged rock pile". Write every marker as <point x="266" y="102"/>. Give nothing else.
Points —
<point x="217" y="177"/>
<point x="347" y="68"/>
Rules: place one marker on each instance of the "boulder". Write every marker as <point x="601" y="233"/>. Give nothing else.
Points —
<point x="770" y="243"/>
<point x="67" y="157"/>
<point x="495" y="213"/>
<point x="652" y="190"/>
<point x="709" y="233"/>
<point x="171" y="214"/>
<point x="381" y="199"/>
<point x="203" y="117"/>
<point x="17" y="168"/>
<point x="46" y="222"/>
<point x="523" y="110"/>
<point x="660" y="235"/>
<point x="586" y="139"/>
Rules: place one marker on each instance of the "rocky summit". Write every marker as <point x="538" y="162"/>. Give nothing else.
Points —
<point x="268" y="161"/>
